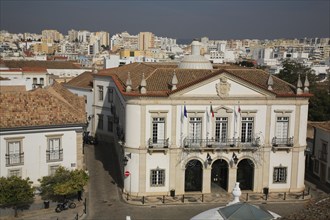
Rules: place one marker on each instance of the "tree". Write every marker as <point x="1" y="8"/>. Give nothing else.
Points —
<point x="64" y="183"/>
<point x="16" y="193"/>
<point x="319" y="105"/>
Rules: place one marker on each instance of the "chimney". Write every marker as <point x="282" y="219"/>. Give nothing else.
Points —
<point x="174" y="81"/>
<point x="143" y="85"/>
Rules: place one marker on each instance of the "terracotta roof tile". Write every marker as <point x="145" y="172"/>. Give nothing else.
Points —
<point x="159" y="77"/>
<point x="84" y="80"/>
<point x="44" y="64"/>
<point x="41" y="107"/>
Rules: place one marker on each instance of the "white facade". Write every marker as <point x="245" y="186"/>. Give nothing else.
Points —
<point x="35" y="153"/>
<point x="171" y="139"/>
<point x="321" y="149"/>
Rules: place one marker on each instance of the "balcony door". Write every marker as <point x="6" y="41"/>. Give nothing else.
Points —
<point x="282" y="128"/>
<point x="195" y="129"/>
<point x="158" y="130"/>
<point x="14" y="151"/>
<point x="221" y="124"/>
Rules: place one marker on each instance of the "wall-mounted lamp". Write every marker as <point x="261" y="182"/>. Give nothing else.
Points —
<point x="234" y="158"/>
<point x="209" y="159"/>
<point x="90" y="117"/>
<point x="126" y="158"/>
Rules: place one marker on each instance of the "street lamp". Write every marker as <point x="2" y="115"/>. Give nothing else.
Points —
<point x="209" y="159"/>
<point x="235" y="158"/>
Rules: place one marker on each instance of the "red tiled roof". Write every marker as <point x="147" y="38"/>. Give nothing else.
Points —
<point x="43" y="64"/>
<point x="34" y="69"/>
<point x="53" y="106"/>
<point x="84" y="80"/>
<point x="159" y="77"/>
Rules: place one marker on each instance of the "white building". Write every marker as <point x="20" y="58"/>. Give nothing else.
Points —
<point x="191" y="128"/>
<point x="82" y="85"/>
<point x="40" y="130"/>
<point x="320" y="152"/>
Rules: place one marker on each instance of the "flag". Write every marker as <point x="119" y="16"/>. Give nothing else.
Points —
<point x="239" y="109"/>
<point x="235" y="115"/>
<point x="185" y="111"/>
<point x="212" y="113"/>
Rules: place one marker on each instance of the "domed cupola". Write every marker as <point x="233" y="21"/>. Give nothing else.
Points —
<point x="195" y="60"/>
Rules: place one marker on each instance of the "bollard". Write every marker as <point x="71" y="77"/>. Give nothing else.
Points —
<point x="303" y="195"/>
<point x="182" y="198"/>
<point x="85" y="206"/>
<point x="247" y="196"/>
<point x="163" y="199"/>
<point x="284" y="196"/>
<point x="142" y="199"/>
<point x="202" y="197"/>
<point x="127" y="197"/>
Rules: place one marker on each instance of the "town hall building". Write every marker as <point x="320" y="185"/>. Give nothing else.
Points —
<point x="192" y="127"/>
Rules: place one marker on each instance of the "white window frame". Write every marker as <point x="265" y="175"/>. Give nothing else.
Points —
<point x="247" y="134"/>
<point x="157" y="177"/>
<point x="158" y="129"/>
<point x="195" y="128"/>
<point x="52" y="169"/>
<point x="280" y="174"/>
<point x="54" y="153"/>
<point x="17" y="157"/>
<point x="100" y="93"/>
<point x="14" y="172"/>
<point x="221" y="129"/>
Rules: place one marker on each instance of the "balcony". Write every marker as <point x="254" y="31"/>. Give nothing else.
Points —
<point x="282" y="143"/>
<point x="159" y="145"/>
<point x="54" y="155"/>
<point x="14" y="159"/>
<point x="218" y="145"/>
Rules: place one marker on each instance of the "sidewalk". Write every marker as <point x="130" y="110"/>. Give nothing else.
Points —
<point x="38" y="212"/>
<point x="311" y="192"/>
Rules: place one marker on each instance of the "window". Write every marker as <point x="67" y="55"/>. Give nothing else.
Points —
<point x="110" y="124"/>
<point x="158" y="129"/>
<point x="100" y="122"/>
<point x="14" y="155"/>
<point x="52" y="169"/>
<point x="100" y="93"/>
<point x="42" y="81"/>
<point x="247" y="129"/>
<point x="15" y="172"/>
<point x="110" y="95"/>
<point x="282" y="128"/>
<point x="54" y="151"/>
<point x="35" y="81"/>
<point x="221" y="124"/>
<point x="323" y="154"/>
<point x="157" y="177"/>
<point x="195" y="129"/>
<point x="316" y="166"/>
<point x="279" y="175"/>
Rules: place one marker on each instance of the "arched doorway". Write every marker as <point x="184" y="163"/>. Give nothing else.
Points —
<point x="193" y="176"/>
<point x="245" y="174"/>
<point x="219" y="174"/>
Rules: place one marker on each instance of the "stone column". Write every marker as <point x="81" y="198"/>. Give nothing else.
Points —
<point x="207" y="179"/>
<point x="232" y="172"/>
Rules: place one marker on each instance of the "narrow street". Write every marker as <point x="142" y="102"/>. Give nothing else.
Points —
<point x="105" y="201"/>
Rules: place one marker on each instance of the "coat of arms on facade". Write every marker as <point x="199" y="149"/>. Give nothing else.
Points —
<point x="223" y="87"/>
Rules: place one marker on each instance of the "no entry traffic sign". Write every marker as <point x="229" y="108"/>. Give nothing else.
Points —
<point x="127" y="173"/>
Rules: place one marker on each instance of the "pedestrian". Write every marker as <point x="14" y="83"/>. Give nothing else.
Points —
<point x="79" y="195"/>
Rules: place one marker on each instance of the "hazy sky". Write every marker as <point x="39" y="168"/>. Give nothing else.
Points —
<point x="185" y="19"/>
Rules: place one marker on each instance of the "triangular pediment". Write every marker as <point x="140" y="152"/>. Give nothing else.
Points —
<point x="224" y="86"/>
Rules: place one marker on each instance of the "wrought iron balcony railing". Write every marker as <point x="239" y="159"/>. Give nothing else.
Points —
<point x="54" y="155"/>
<point x="220" y="143"/>
<point x="282" y="142"/>
<point x="158" y="143"/>
<point x="14" y="159"/>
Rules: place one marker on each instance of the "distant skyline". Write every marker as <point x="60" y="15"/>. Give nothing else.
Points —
<point x="185" y="19"/>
